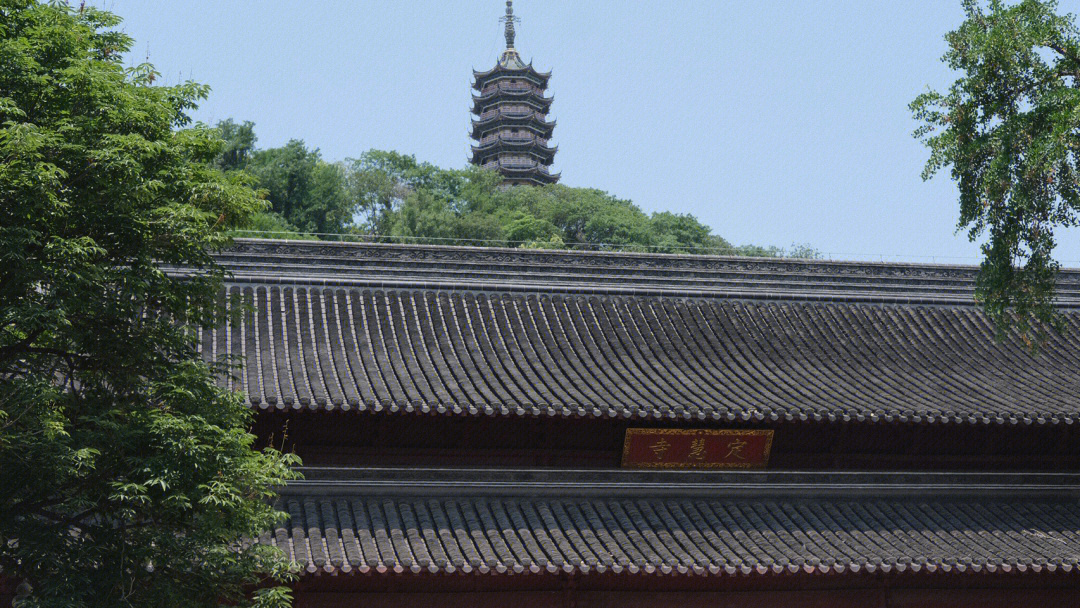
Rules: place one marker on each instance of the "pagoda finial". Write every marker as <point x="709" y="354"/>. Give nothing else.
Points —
<point x="509" y="20"/>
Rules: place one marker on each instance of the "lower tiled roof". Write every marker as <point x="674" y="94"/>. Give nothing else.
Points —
<point x="358" y="530"/>
<point x="349" y="533"/>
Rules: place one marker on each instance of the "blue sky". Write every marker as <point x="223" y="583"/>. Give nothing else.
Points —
<point x="773" y="122"/>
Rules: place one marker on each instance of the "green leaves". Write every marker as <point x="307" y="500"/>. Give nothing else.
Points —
<point x="303" y="189"/>
<point x="129" y="475"/>
<point x="386" y="194"/>
<point x="395" y="196"/>
<point x="1009" y="131"/>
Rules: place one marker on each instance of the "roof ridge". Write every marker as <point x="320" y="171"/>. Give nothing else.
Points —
<point x="424" y="266"/>
<point x="655" y="483"/>
<point x="478" y="250"/>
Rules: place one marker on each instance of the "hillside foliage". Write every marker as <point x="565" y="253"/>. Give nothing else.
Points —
<point x="393" y="197"/>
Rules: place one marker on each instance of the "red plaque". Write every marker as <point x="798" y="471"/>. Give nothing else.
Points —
<point x="696" y="449"/>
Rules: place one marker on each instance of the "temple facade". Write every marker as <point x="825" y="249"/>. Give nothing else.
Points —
<point x="506" y="427"/>
<point x="510" y="122"/>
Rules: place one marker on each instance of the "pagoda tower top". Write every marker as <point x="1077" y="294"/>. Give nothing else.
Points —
<point x="510" y="59"/>
<point x="509" y="20"/>
<point x="511" y="127"/>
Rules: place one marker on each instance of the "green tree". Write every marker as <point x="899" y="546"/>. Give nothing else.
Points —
<point x="588" y="218"/>
<point x="444" y="205"/>
<point x="378" y="183"/>
<point x="1008" y="129"/>
<point x="128" y="474"/>
<point x="523" y="229"/>
<point x="803" y="251"/>
<point x="302" y="188"/>
<point x="269" y="225"/>
<point x="428" y="218"/>
<point x="683" y="233"/>
<point x="326" y="208"/>
<point x="397" y="196"/>
<point x="239" y="144"/>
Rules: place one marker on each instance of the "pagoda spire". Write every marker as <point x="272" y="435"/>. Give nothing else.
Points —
<point x="509" y="20"/>
<point x="511" y="127"/>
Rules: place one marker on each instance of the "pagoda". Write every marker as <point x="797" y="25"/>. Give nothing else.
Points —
<point x="511" y="126"/>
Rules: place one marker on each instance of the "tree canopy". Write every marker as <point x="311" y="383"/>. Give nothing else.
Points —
<point x="239" y="144"/>
<point x="1008" y="130"/>
<point x="128" y="474"/>
<point x="392" y="196"/>
<point x="302" y="188"/>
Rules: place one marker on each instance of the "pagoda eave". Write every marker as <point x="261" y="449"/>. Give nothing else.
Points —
<point x="499" y="69"/>
<point x="533" y="172"/>
<point x="537" y="179"/>
<point x="480" y="79"/>
<point x="481" y="102"/>
<point x="531" y="147"/>
<point x="540" y="128"/>
<point x="513" y="93"/>
<point x="542" y="155"/>
<point x="509" y="145"/>
<point x="478" y="133"/>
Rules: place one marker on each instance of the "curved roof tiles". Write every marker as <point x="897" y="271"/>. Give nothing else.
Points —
<point x="620" y="523"/>
<point x="487" y="332"/>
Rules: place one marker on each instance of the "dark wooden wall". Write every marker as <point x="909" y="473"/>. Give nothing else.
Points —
<point x="401" y="439"/>
<point x="982" y="590"/>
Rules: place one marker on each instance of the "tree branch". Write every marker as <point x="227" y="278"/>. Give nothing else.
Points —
<point x="1064" y="52"/>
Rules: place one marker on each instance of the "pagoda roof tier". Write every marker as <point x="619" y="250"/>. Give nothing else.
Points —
<point x="533" y="179"/>
<point x="501" y="119"/>
<point x="541" y="152"/>
<point x="513" y="71"/>
<point x="652" y="523"/>
<point x="533" y="99"/>
<point x="631" y="336"/>
<point x="513" y="91"/>
<point x="543" y="157"/>
<point x="529" y="169"/>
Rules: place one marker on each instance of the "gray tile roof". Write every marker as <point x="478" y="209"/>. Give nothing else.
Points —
<point x="480" y="268"/>
<point x="720" y="532"/>
<point x="482" y="331"/>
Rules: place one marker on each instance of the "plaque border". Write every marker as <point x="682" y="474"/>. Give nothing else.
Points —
<point x="768" y="433"/>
